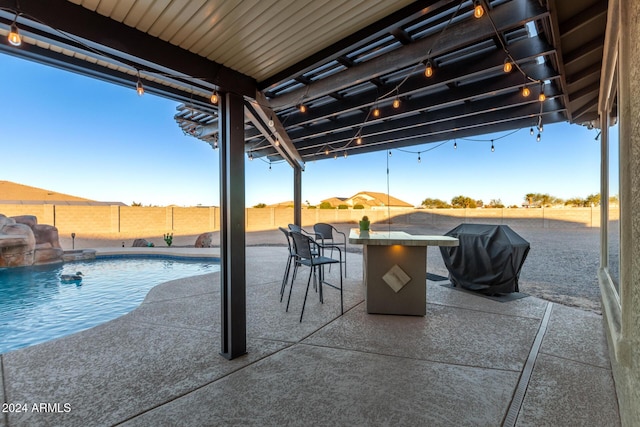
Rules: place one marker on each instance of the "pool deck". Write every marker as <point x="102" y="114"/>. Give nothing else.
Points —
<point x="470" y="361"/>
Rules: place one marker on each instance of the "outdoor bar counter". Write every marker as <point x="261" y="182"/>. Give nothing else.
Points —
<point x="395" y="269"/>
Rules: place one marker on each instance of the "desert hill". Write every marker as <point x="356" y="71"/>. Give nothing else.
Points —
<point x="14" y="193"/>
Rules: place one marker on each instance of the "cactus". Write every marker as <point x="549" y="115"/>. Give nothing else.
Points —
<point x="168" y="238"/>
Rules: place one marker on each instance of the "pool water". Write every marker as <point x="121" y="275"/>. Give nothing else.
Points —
<point x="36" y="306"/>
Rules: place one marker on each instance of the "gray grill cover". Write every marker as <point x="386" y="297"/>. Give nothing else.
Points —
<point x="488" y="260"/>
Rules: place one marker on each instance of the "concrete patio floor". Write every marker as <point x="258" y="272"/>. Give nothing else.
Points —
<point x="470" y="361"/>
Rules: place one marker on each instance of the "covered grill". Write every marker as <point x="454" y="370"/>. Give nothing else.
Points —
<point x="488" y="260"/>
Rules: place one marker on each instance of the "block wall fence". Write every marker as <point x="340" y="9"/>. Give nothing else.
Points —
<point x="127" y="221"/>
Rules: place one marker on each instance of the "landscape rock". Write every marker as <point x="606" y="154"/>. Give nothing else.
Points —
<point x="205" y="240"/>
<point x="142" y="243"/>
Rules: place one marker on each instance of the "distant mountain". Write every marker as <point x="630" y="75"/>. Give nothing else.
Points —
<point x="14" y="193"/>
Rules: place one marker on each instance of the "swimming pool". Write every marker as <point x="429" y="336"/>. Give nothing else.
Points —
<point x="36" y="306"/>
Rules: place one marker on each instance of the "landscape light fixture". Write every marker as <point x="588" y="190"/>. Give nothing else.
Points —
<point x="478" y="10"/>
<point x="14" y="34"/>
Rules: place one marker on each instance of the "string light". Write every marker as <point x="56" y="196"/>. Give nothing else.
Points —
<point x="389" y="153"/>
<point x="214" y="97"/>
<point x="419" y="159"/>
<point x="376" y="112"/>
<point x="396" y="102"/>
<point x="326" y="151"/>
<point x="428" y="71"/>
<point x="526" y="91"/>
<point x="302" y="108"/>
<point x="531" y="131"/>
<point x="251" y="156"/>
<point x="14" y="34"/>
<point x="492" y="147"/>
<point x="139" y="87"/>
<point x="455" y="145"/>
<point x="359" y="140"/>
<point x="271" y="123"/>
<point x="507" y="65"/>
<point x="478" y="10"/>
<point x="345" y="154"/>
<point x="542" y="96"/>
<point x="538" y="138"/>
<point x="277" y="143"/>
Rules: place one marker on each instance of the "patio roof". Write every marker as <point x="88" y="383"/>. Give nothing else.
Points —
<point x="341" y="60"/>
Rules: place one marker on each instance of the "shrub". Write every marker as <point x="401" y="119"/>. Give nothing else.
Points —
<point x="358" y="206"/>
<point x="325" y="205"/>
<point x="341" y="206"/>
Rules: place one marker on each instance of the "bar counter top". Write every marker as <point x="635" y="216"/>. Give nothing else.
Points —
<point x="388" y="238"/>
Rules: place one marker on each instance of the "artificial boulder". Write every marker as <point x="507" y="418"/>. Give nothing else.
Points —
<point x="24" y="242"/>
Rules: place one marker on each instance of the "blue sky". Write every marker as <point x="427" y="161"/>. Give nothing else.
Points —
<point x="72" y="134"/>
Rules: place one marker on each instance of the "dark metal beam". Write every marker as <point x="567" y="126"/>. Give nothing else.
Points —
<point x="523" y="52"/>
<point x="357" y="39"/>
<point x="120" y="40"/>
<point x="489" y="88"/>
<point x="480" y="126"/>
<point x="464" y="33"/>
<point x="233" y="305"/>
<point x="414" y="125"/>
<point x="64" y="62"/>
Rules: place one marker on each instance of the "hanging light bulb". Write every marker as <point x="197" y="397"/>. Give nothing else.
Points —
<point x="508" y="66"/>
<point x="538" y="137"/>
<point x="419" y="159"/>
<point x="389" y="153"/>
<point x="428" y="71"/>
<point x="302" y="108"/>
<point x="492" y="147"/>
<point x="478" y="10"/>
<point x="14" y="34"/>
<point x="250" y="156"/>
<point x="139" y="87"/>
<point x="531" y="131"/>
<point x="525" y="91"/>
<point x="359" y="140"/>
<point x="214" y="97"/>
<point x="277" y="142"/>
<point x="396" y="103"/>
<point x="271" y="123"/>
<point x="345" y="154"/>
<point x="335" y="157"/>
<point x="215" y="145"/>
<point x="455" y="145"/>
<point x="326" y="151"/>
<point x="376" y="112"/>
<point x="269" y="165"/>
<point x="542" y="96"/>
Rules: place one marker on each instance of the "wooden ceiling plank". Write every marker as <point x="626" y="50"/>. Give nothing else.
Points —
<point x="144" y="13"/>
